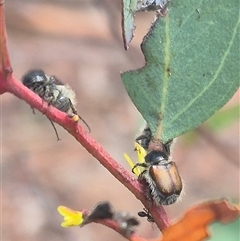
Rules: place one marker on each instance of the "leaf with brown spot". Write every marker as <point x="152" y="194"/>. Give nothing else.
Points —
<point x="192" y="66"/>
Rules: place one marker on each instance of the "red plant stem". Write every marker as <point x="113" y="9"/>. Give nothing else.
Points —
<point x="5" y="66"/>
<point x="115" y="226"/>
<point x="17" y="88"/>
<point x="8" y="83"/>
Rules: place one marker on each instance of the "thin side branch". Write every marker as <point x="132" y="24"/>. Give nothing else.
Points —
<point x="5" y="66"/>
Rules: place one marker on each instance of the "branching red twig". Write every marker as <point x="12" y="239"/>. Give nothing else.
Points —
<point x="115" y="226"/>
<point x="8" y="83"/>
<point x="15" y="87"/>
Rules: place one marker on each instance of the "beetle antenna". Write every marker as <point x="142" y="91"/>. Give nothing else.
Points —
<point x="86" y="124"/>
<point x="58" y="139"/>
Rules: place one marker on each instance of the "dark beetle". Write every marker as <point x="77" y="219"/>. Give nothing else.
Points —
<point x="53" y="91"/>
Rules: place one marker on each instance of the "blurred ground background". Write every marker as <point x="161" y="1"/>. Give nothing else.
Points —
<point x="80" y="42"/>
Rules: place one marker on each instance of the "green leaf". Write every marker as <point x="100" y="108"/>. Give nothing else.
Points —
<point x="128" y="27"/>
<point x="192" y="66"/>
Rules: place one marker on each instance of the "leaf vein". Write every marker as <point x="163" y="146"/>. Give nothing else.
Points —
<point x="214" y="77"/>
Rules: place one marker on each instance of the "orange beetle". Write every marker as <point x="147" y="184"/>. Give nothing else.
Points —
<point x="161" y="175"/>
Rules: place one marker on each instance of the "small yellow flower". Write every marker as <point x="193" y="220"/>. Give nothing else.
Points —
<point x="141" y="153"/>
<point x="71" y="217"/>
